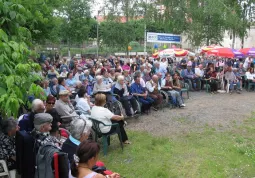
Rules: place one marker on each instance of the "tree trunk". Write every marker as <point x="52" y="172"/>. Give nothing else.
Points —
<point x="234" y="39"/>
<point x="242" y="43"/>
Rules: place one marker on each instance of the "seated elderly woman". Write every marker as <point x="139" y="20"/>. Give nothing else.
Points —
<point x="7" y="142"/>
<point x="83" y="101"/>
<point x="104" y="115"/>
<point x="70" y="81"/>
<point x="102" y="87"/>
<point x="127" y="100"/>
<point x="79" y="132"/>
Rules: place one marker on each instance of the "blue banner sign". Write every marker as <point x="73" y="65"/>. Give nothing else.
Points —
<point x="163" y="38"/>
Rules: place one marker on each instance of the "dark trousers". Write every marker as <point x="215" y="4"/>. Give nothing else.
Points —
<point x="127" y="102"/>
<point x="213" y="85"/>
<point x="122" y="130"/>
<point x="146" y="103"/>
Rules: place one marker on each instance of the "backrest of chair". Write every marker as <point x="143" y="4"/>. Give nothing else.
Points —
<point x="96" y="124"/>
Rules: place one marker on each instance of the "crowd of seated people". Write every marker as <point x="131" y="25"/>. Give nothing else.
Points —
<point x="64" y="122"/>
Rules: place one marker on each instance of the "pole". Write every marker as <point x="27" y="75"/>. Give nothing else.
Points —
<point x="145" y="40"/>
<point x="97" y="34"/>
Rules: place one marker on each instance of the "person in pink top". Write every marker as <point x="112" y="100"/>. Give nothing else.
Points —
<point x="126" y="67"/>
<point x="85" y="158"/>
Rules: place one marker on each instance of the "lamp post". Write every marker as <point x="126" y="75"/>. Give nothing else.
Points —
<point x="244" y="8"/>
<point x="97" y="33"/>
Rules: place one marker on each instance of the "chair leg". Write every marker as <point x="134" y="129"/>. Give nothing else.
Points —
<point x="105" y="145"/>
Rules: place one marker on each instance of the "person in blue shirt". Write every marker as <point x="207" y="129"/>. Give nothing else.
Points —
<point x="142" y="94"/>
<point x="159" y="69"/>
<point x="70" y="81"/>
<point x="61" y="84"/>
<point x="189" y="75"/>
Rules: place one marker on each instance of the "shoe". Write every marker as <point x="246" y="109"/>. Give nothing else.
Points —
<point x="155" y="109"/>
<point x="125" y="123"/>
<point x="182" y="105"/>
<point x="238" y="91"/>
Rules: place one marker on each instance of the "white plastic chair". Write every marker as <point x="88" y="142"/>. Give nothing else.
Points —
<point x="228" y="85"/>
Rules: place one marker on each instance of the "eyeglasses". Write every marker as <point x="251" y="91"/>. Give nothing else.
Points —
<point x="51" y="103"/>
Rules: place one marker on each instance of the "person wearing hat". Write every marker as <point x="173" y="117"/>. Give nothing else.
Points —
<point x="194" y="79"/>
<point x="66" y="110"/>
<point x="42" y="128"/>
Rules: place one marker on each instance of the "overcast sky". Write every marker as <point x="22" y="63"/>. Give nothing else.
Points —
<point x="96" y="6"/>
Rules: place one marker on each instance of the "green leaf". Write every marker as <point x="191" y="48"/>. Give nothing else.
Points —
<point x="2" y="91"/>
<point x="12" y="14"/>
<point x="3" y="35"/>
<point x="9" y="82"/>
<point x="15" y="56"/>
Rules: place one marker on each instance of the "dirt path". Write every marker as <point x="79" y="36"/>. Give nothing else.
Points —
<point x="220" y="111"/>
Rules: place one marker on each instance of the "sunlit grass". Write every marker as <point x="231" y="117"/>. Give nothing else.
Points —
<point x="207" y="154"/>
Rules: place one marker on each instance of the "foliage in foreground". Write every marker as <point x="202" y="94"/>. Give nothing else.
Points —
<point x="207" y="154"/>
<point x="16" y="80"/>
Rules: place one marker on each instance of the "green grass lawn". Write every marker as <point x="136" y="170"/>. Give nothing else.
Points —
<point x="208" y="154"/>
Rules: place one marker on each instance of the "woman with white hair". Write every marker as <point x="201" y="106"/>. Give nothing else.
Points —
<point x="79" y="132"/>
<point x="127" y="100"/>
<point x="101" y="87"/>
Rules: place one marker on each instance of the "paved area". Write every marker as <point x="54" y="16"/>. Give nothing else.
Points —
<point x="219" y="111"/>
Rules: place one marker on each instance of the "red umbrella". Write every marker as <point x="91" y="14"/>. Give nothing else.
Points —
<point x="248" y="51"/>
<point x="225" y="52"/>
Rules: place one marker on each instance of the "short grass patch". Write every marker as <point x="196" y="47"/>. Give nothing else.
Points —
<point x="207" y="154"/>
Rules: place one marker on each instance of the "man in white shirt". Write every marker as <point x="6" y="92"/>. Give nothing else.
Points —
<point x="199" y="71"/>
<point x="154" y="91"/>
